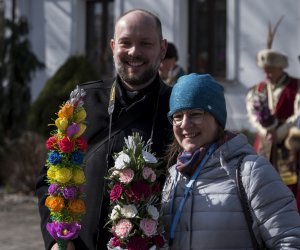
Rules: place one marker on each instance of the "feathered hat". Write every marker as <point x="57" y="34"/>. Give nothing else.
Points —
<point x="269" y="57"/>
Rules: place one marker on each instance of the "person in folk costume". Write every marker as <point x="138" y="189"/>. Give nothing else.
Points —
<point x="273" y="107"/>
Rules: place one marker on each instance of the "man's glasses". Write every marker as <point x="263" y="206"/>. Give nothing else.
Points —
<point x="195" y="116"/>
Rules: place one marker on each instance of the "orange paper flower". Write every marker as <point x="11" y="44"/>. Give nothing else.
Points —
<point x="76" y="206"/>
<point x="55" y="204"/>
<point x="66" y="111"/>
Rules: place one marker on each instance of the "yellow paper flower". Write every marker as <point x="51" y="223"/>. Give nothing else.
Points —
<point x="51" y="173"/>
<point x="63" y="175"/>
<point x="82" y="128"/>
<point x="76" y="206"/>
<point x="55" y="204"/>
<point x="78" y="176"/>
<point x="61" y="123"/>
<point x="80" y="115"/>
<point x="66" y="111"/>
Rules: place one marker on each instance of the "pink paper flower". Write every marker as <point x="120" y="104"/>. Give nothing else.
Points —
<point x="82" y="144"/>
<point x="148" y="173"/>
<point x="123" y="228"/>
<point x="66" y="145"/>
<point x="51" y="143"/>
<point x="126" y="175"/>
<point x="148" y="226"/>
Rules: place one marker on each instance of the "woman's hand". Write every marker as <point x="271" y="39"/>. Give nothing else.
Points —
<point x="69" y="247"/>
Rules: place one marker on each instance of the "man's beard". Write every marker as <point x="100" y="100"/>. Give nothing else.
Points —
<point x="145" y="77"/>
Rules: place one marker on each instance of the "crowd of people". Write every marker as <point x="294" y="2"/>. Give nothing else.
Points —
<point x="201" y="206"/>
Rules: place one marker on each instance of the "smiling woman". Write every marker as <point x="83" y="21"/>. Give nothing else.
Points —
<point x="200" y="201"/>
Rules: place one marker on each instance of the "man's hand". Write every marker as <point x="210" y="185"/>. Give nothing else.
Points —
<point x="70" y="246"/>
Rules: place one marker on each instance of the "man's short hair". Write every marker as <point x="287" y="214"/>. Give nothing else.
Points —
<point x="156" y="19"/>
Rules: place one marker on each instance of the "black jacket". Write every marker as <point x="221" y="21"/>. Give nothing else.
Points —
<point x="131" y="114"/>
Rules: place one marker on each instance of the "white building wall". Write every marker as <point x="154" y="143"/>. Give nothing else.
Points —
<point x="57" y="31"/>
<point x="255" y="16"/>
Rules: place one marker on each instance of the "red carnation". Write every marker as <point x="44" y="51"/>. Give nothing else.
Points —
<point x="140" y="189"/>
<point x="82" y="144"/>
<point x="158" y="240"/>
<point x="66" y="145"/>
<point x="116" y="192"/>
<point x="51" y="143"/>
<point x="137" y="243"/>
<point x="155" y="188"/>
<point x="115" y="242"/>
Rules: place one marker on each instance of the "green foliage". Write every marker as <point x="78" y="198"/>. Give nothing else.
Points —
<point x="57" y="90"/>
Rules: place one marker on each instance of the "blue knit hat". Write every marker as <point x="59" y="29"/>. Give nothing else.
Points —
<point x="199" y="91"/>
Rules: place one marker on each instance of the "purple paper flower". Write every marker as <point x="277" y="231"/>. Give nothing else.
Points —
<point x="69" y="193"/>
<point x="64" y="231"/>
<point x="77" y="158"/>
<point x="72" y="129"/>
<point x="54" y="157"/>
<point x="53" y="189"/>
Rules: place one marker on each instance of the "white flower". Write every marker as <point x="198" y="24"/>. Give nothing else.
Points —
<point x="148" y="157"/>
<point x="114" y="173"/>
<point x="129" y="211"/>
<point x="115" y="212"/>
<point x="130" y="143"/>
<point x="121" y="160"/>
<point x="153" y="212"/>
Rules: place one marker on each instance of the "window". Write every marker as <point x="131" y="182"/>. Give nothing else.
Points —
<point x="100" y="25"/>
<point x="207" y="37"/>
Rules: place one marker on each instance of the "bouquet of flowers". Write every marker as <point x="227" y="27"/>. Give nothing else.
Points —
<point x="134" y="196"/>
<point x="65" y="174"/>
<point x="262" y="111"/>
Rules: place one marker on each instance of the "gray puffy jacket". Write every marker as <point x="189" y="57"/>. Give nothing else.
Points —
<point x="212" y="216"/>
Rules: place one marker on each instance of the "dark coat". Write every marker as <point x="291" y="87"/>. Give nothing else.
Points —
<point x="135" y="114"/>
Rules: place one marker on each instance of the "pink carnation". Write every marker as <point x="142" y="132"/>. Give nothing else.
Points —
<point x="126" y="175"/>
<point x="148" y="173"/>
<point x="123" y="228"/>
<point x="66" y="145"/>
<point x="116" y="192"/>
<point x="148" y="226"/>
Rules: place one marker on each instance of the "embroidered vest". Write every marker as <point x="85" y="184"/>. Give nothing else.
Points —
<point x="285" y="105"/>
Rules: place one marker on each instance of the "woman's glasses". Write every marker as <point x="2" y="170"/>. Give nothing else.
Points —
<point x="194" y="115"/>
